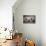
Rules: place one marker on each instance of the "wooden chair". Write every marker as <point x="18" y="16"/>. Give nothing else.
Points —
<point x="18" y="39"/>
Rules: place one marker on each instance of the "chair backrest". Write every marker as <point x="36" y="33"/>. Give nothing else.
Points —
<point x="18" y="37"/>
<point x="29" y="43"/>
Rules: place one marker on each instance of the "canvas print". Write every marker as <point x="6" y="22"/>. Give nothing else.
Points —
<point x="29" y="19"/>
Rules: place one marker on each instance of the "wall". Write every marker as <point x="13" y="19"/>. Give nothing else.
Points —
<point x="6" y="13"/>
<point x="30" y="31"/>
<point x="43" y="22"/>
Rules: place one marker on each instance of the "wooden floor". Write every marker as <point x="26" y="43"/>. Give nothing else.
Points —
<point x="9" y="43"/>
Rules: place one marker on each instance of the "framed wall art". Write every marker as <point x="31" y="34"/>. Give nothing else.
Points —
<point x="29" y="18"/>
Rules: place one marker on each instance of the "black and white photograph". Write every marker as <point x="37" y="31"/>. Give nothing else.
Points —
<point x="29" y="19"/>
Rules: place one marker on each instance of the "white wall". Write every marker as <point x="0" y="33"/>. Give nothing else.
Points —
<point x="6" y="13"/>
<point x="31" y="31"/>
<point x="43" y="22"/>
